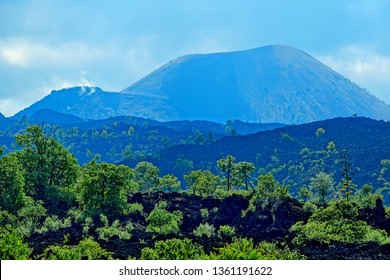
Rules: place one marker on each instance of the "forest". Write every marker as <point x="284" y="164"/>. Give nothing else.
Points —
<point x="54" y="208"/>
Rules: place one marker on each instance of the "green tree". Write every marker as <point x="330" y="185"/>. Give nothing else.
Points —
<point x="104" y="188"/>
<point x="48" y="166"/>
<point x="173" y="249"/>
<point x="11" y="184"/>
<point x="202" y="182"/>
<point x="162" y="221"/>
<point x="320" y="131"/>
<point x="146" y="175"/>
<point x="242" y="172"/>
<point x="347" y="185"/>
<point x="321" y="185"/>
<point x="226" y="166"/>
<point x="169" y="183"/>
<point x="12" y="246"/>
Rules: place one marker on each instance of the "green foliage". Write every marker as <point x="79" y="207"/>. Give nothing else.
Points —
<point x="204" y="230"/>
<point x="242" y="172"/>
<point x="147" y="176"/>
<point x="163" y="222"/>
<point x="385" y="166"/>
<point x="87" y="249"/>
<point x="245" y="249"/>
<point x="104" y="188"/>
<point x="52" y="224"/>
<point x="310" y="207"/>
<point x="305" y="152"/>
<point x="133" y="208"/>
<point x="116" y="229"/>
<point x="202" y="182"/>
<point x="305" y="194"/>
<point x="30" y="217"/>
<point x="11" y="184"/>
<point x="347" y="185"/>
<point x="321" y="185"/>
<point x="337" y="222"/>
<point x="173" y="249"/>
<point x="331" y="147"/>
<point x="46" y="163"/>
<point x="226" y="231"/>
<point x="204" y="213"/>
<point x="169" y="183"/>
<point x="12" y="246"/>
<point x="226" y="166"/>
<point x="320" y="131"/>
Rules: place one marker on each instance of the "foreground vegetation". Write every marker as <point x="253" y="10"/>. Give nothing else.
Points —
<point x="52" y="208"/>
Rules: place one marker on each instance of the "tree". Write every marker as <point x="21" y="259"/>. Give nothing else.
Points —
<point x="226" y="165"/>
<point x="347" y="185"/>
<point x="146" y="175"/>
<point x="11" y="184"/>
<point x="162" y="221"/>
<point x="320" y="131"/>
<point x="169" y="183"/>
<point x="202" y="182"/>
<point x="322" y="184"/>
<point x="242" y="172"/>
<point x="12" y="246"/>
<point x="47" y="164"/>
<point x="104" y="188"/>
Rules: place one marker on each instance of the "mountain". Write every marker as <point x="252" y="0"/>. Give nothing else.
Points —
<point x="268" y="84"/>
<point x="272" y="84"/>
<point x="94" y="103"/>
<point x="53" y="117"/>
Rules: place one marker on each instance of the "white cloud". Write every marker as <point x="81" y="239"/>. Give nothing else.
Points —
<point x="26" y="53"/>
<point x="363" y="66"/>
<point x="10" y="106"/>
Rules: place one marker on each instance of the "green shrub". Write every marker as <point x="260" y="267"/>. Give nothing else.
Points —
<point x="226" y="231"/>
<point x="310" y="207"/>
<point x="134" y="208"/>
<point x="52" y="224"/>
<point x="163" y="222"/>
<point x="12" y="246"/>
<point x="30" y="217"/>
<point x="245" y="249"/>
<point x="337" y="222"/>
<point x="116" y="229"/>
<point x="204" y="213"/>
<point x="173" y="249"/>
<point x="87" y="249"/>
<point x="204" y="230"/>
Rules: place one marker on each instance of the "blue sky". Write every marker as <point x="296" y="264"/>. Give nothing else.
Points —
<point x="52" y="44"/>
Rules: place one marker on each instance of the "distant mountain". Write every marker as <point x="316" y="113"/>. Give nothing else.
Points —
<point x="269" y="84"/>
<point x="272" y="84"/>
<point x="53" y="117"/>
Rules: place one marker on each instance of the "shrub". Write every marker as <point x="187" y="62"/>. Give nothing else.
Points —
<point x="226" y="231"/>
<point x="337" y="222"/>
<point x="173" y="249"/>
<point x="12" y="246"/>
<point x="87" y="249"/>
<point x="116" y="229"/>
<point x="204" y="229"/>
<point x="204" y="213"/>
<point x="162" y="221"/>
<point x="134" y="208"/>
<point x="52" y="224"/>
<point x="244" y="249"/>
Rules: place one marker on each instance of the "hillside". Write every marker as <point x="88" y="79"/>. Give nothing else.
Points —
<point x="295" y="153"/>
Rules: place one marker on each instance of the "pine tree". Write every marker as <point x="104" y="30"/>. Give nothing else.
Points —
<point x="347" y="185"/>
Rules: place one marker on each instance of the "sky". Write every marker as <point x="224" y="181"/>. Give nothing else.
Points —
<point x="52" y="44"/>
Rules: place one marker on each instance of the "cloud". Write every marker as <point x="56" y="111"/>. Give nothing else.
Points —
<point x="27" y="53"/>
<point x="364" y="66"/>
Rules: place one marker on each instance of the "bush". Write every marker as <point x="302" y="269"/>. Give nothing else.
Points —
<point x="173" y="249"/>
<point x="162" y="221"/>
<point x="116" y="229"/>
<point x="87" y="249"/>
<point x="226" y="231"/>
<point x="204" y="213"/>
<point x="337" y="222"/>
<point x="134" y="208"/>
<point x="12" y="246"/>
<point x="244" y="249"/>
<point x="204" y="229"/>
<point x="52" y="224"/>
